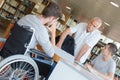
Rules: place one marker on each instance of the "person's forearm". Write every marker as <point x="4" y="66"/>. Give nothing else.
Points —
<point x="52" y="30"/>
<point x="105" y="77"/>
<point x="62" y="37"/>
<point x="83" y="50"/>
<point x="53" y="39"/>
<point x="108" y="76"/>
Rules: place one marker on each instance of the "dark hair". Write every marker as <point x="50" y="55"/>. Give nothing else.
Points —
<point x="52" y="10"/>
<point x="112" y="48"/>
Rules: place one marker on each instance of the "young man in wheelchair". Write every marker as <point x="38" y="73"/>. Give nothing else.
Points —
<point x="49" y="16"/>
<point x="45" y="30"/>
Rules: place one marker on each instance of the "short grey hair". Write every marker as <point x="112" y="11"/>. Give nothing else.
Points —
<point x="98" y="20"/>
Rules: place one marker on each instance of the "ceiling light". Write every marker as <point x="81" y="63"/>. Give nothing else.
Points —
<point x="106" y="24"/>
<point x="114" y="4"/>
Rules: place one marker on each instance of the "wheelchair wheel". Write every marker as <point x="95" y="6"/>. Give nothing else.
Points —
<point x="18" y="67"/>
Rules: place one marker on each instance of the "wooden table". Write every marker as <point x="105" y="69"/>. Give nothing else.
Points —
<point x="61" y="54"/>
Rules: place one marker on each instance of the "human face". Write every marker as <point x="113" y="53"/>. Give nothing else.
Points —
<point x="105" y="50"/>
<point x="92" y="25"/>
<point x="51" y="21"/>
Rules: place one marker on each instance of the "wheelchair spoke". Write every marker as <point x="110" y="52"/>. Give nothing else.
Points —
<point x="18" y="71"/>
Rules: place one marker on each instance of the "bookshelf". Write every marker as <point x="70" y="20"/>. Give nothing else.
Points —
<point x="16" y="8"/>
<point x="62" y="23"/>
<point x="96" y="51"/>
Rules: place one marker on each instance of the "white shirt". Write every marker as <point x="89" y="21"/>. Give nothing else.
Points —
<point x="81" y="37"/>
<point x="41" y="36"/>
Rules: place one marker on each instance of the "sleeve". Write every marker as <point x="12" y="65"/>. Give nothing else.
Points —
<point x="112" y="67"/>
<point x="93" y="39"/>
<point x="43" y="39"/>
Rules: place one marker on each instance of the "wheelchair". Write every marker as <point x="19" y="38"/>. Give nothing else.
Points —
<point x="18" y="63"/>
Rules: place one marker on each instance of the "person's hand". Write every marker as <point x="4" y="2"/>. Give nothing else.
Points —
<point x="52" y="31"/>
<point x="58" y="45"/>
<point x="90" y="68"/>
<point x="52" y="28"/>
<point x="77" y="59"/>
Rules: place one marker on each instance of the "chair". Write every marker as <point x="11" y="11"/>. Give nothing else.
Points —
<point x="17" y="41"/>
<point x="16" y="63"/>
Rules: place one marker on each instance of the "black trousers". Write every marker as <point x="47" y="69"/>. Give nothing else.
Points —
<point x="68" y="44"/>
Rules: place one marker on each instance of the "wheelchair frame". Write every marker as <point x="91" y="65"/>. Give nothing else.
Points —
<point x="16" y="65"/>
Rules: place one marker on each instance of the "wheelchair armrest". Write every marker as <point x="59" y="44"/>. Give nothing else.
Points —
<point x="39" y="53"/>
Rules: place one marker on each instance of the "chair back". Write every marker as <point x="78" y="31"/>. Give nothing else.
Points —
<point x="17" y="41"/>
